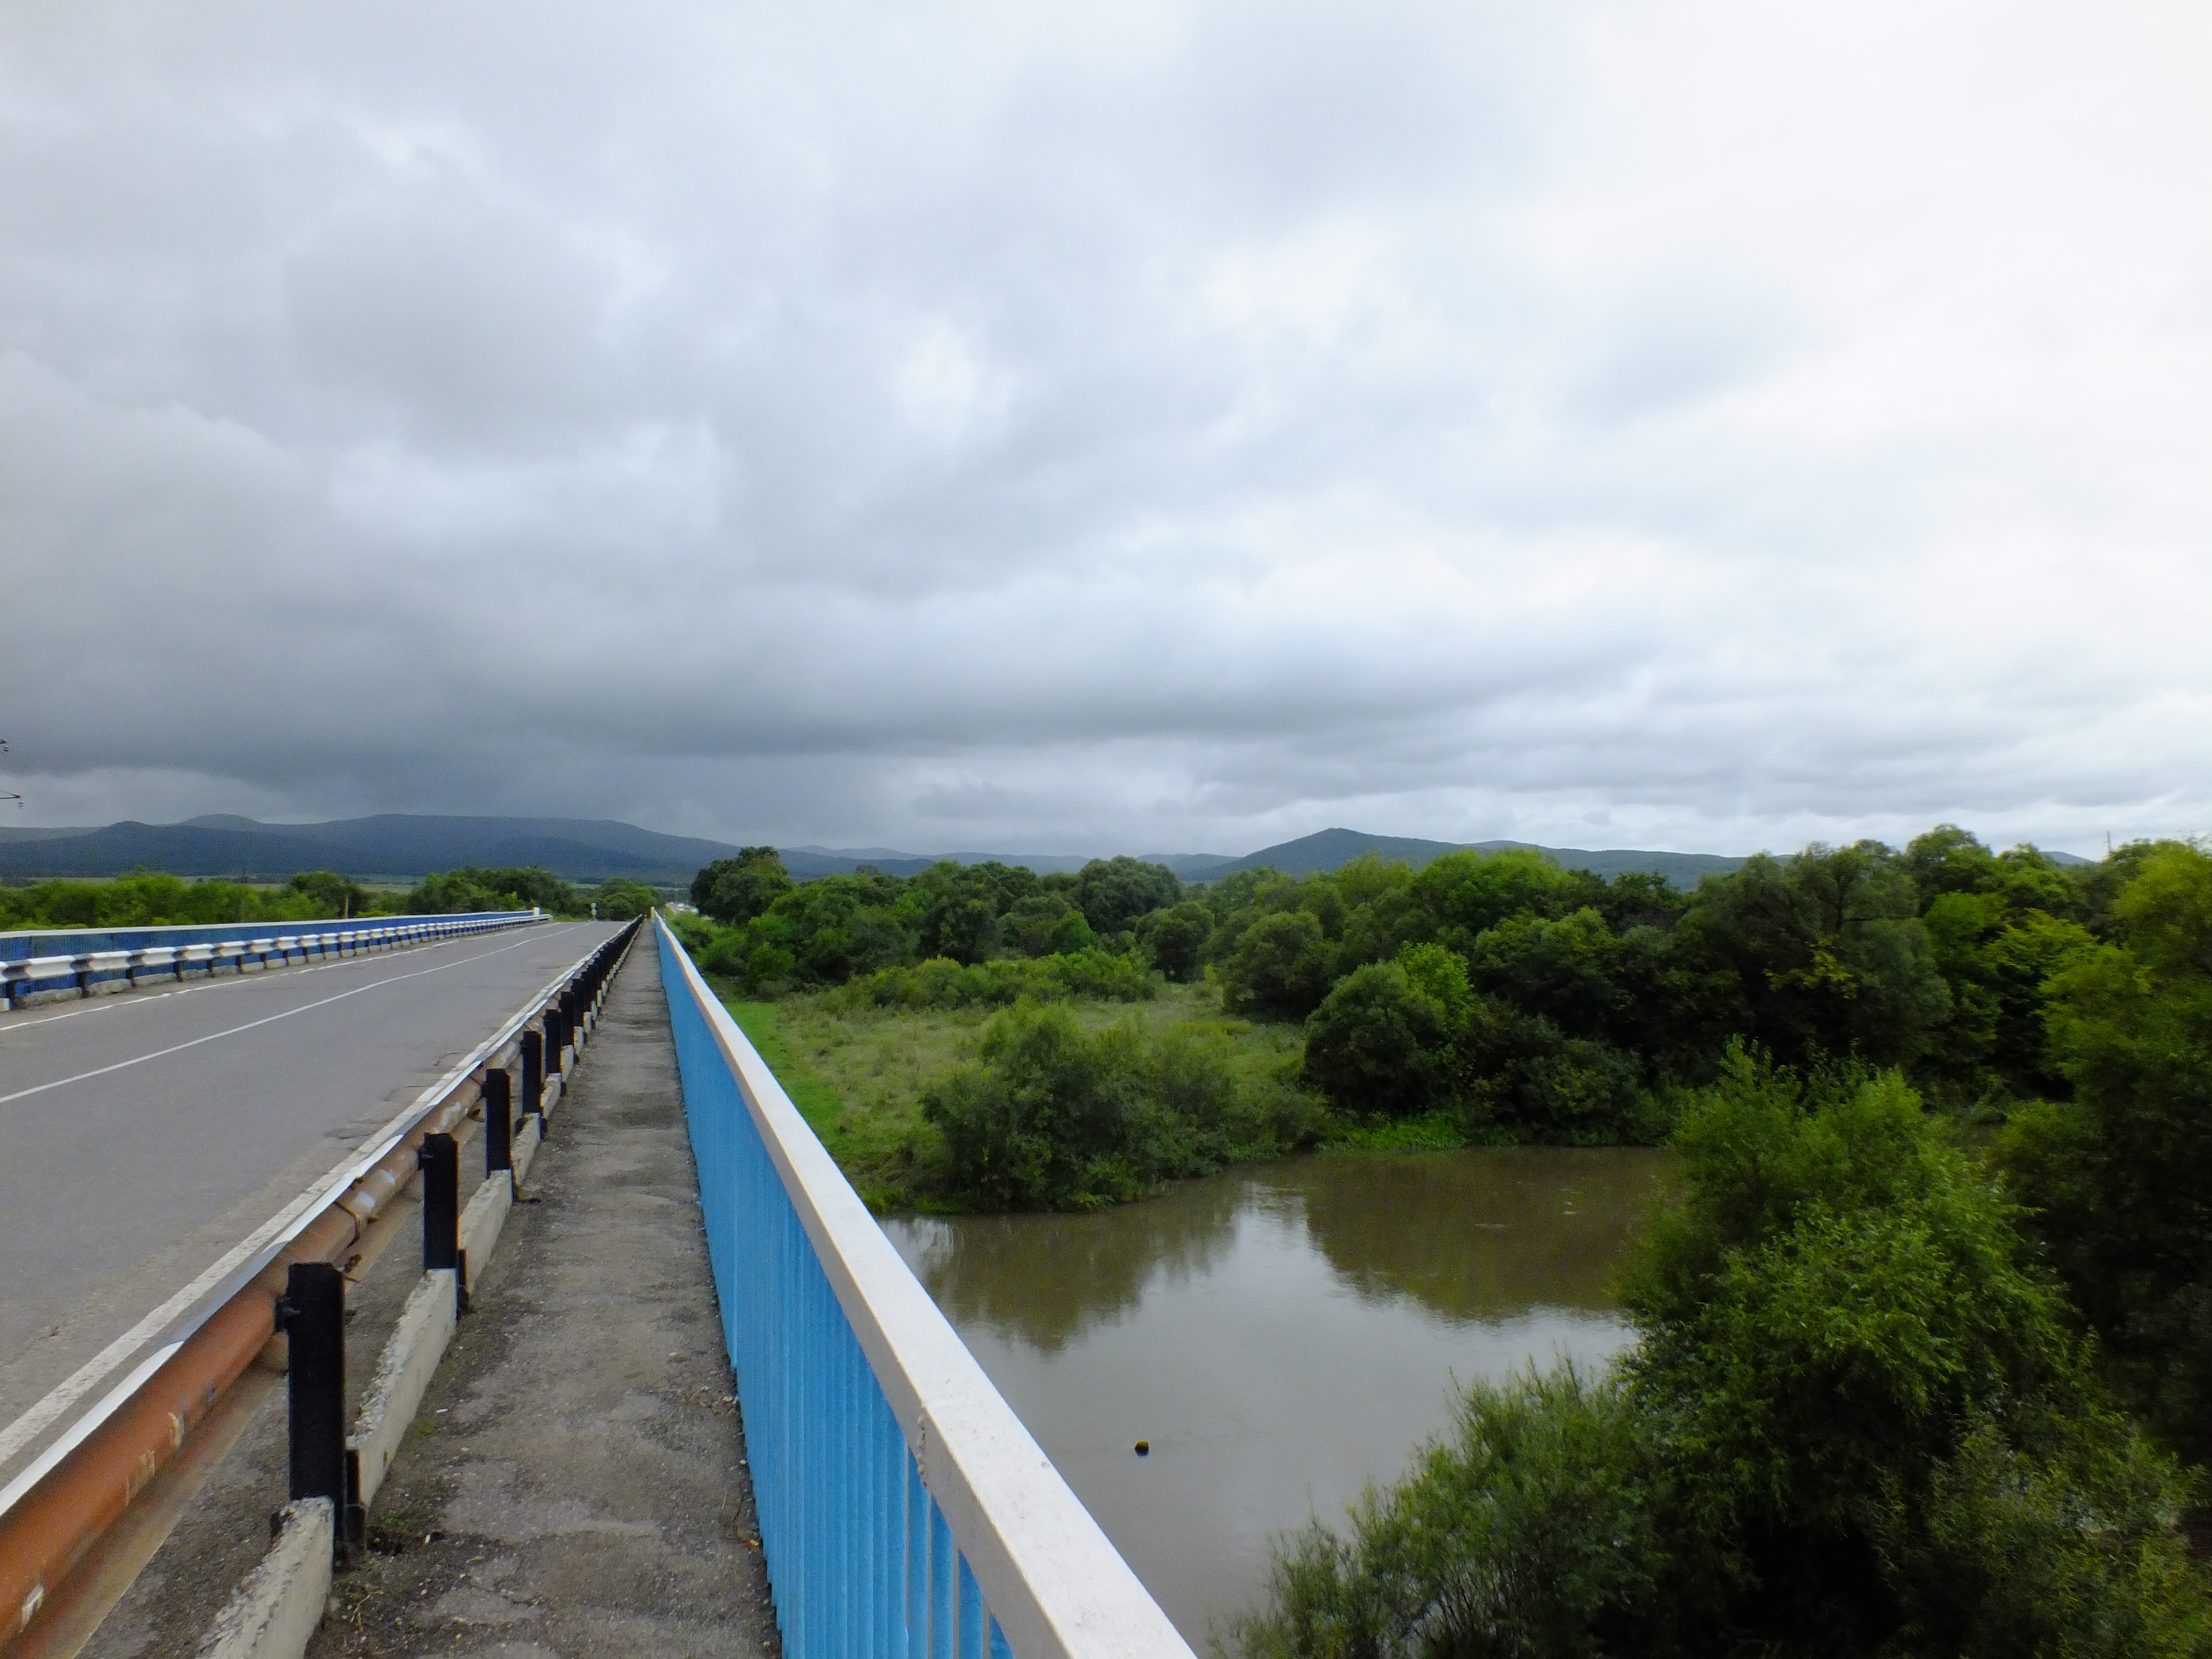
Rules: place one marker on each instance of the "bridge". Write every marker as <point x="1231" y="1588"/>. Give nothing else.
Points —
<point x="205" y="1149"/>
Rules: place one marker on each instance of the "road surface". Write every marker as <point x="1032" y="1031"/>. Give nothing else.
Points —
<point x="141" y="1136"/>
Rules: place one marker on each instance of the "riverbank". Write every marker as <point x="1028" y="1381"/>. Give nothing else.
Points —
<point x="857" y="1074"/>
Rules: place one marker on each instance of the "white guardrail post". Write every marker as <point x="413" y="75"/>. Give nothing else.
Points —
<point x="905" y="1511"/>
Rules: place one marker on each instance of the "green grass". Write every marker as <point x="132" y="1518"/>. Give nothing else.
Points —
<point x="1438" y="1132"/>
<point x="856" y="1075"/>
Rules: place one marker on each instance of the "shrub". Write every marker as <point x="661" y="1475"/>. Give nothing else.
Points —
<point x="1051" y="1117"/>
<point x="1528" y="1532"/>
<point x="941" y="982"/>
<point x="1278" y="970"/>
<point x="1380" y="1043"/>
<point x="1857" y="1425"/>
<point x="1176" y="940"/>
<point x="620" y="900"/>
<point x="1043" y="1119"/>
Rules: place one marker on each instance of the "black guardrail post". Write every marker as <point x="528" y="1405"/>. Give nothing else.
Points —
<point x="313" y="1317"/>
<point x="440" y="1159"/>
<point x="499" y="1122"/>
<point x="533" y="1076"/>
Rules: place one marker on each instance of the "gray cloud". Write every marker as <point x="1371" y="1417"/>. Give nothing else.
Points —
<point x="1174" y="428"/>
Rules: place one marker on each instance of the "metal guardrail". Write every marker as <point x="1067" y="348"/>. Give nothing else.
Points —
<point x="904" y="1509"/>
<point x="79" y="1459"/>
<point x="91" y="957"/>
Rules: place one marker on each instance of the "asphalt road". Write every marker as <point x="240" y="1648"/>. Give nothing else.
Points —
<point x="141" y="1136"/>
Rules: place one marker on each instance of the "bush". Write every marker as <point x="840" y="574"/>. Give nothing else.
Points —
<point x="1528" y="1532"/>
<point x="1378" y="1043"/>
<point x="1051" y="1117"/>
<point x="1857" y="1424"/>
<point x="941" y="982"/>
<point x="454" y="892"/>
<point x="1176" y="940"/>
<point x="1046" y="1118"/>
<point x="1279" y="969"/>
<point x="621" y="901"/>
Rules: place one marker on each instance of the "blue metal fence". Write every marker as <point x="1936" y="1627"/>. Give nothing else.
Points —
<point x="904" y="1510"/>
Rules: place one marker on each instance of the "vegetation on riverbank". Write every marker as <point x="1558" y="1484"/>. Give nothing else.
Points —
<point x="866" y="1074"/>
<point x="1491" y="998"/>
<point x="1862" y="1420"/>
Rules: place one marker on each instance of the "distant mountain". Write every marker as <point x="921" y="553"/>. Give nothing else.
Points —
<point x="1332" y="849"/>
<point x="389" y="844"/>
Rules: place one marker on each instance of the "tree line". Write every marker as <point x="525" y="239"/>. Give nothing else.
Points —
<point x="1499" y="996"/>
<point x="151" y="899"/>
<point x="1897" y="1390"/>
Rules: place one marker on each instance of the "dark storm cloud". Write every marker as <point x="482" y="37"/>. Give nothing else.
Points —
<point x="1176" y="426"/>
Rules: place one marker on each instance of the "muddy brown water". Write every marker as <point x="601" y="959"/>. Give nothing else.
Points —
<point x="1281" y="1335"/>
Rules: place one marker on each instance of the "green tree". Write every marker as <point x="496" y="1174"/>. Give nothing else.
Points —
<point x="735" y="891"/>
<point x="2119" y="1176"/>
<point x="1828" y="954"/>
<point x="621" y="900"/>
<point x="1278" y="968"/>
<point x="1112" y="893"/>
<point x="332" y="894"/>
<point x="1045" y="1116"/>
<point x="454" y="892"/>
<point x="1852" y="1358"/>
<point x="1383" y="1041"/>
<point x="1465" y="893"/>
<point x="1033" y="926"/>
<point x="1175" y="938"/>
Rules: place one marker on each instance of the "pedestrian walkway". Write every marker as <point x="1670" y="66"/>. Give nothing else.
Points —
<point x="575" y="1484"/>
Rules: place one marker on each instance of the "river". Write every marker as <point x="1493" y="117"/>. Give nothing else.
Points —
<point x="1281" y="1335"/>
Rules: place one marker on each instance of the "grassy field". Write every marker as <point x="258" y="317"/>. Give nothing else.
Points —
<point x="857" y="1075"/>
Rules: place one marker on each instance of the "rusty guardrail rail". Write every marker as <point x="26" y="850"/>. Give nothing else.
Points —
<point x="97" y="1441"/>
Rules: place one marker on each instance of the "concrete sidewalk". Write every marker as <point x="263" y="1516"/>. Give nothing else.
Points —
<point x="575" y="1484"/>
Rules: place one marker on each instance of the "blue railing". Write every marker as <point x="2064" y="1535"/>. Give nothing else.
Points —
<point x="86" y="960"/>
<point x="905" y="1511"/>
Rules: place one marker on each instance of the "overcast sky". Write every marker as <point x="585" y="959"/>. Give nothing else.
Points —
<point x="1159" y="426"/>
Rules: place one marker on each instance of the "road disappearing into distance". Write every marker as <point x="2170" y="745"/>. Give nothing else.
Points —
<point x="142" y="1135"/>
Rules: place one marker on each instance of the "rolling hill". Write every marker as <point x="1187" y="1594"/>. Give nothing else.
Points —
<point x="406" y="846"/>
<point x="1332" y="849"/>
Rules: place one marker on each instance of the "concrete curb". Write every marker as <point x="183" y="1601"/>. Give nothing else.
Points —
<point x="403" y="1373"/>
<point x="524" y="1151"/>
<point x="482" y="1221"/>
<point x="277" y="1609"/>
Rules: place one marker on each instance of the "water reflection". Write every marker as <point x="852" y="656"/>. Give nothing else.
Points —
<point x="1281" y="1335"/>
<point x="1483" y="1235"/>
<point x="1043" y="1279"/>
